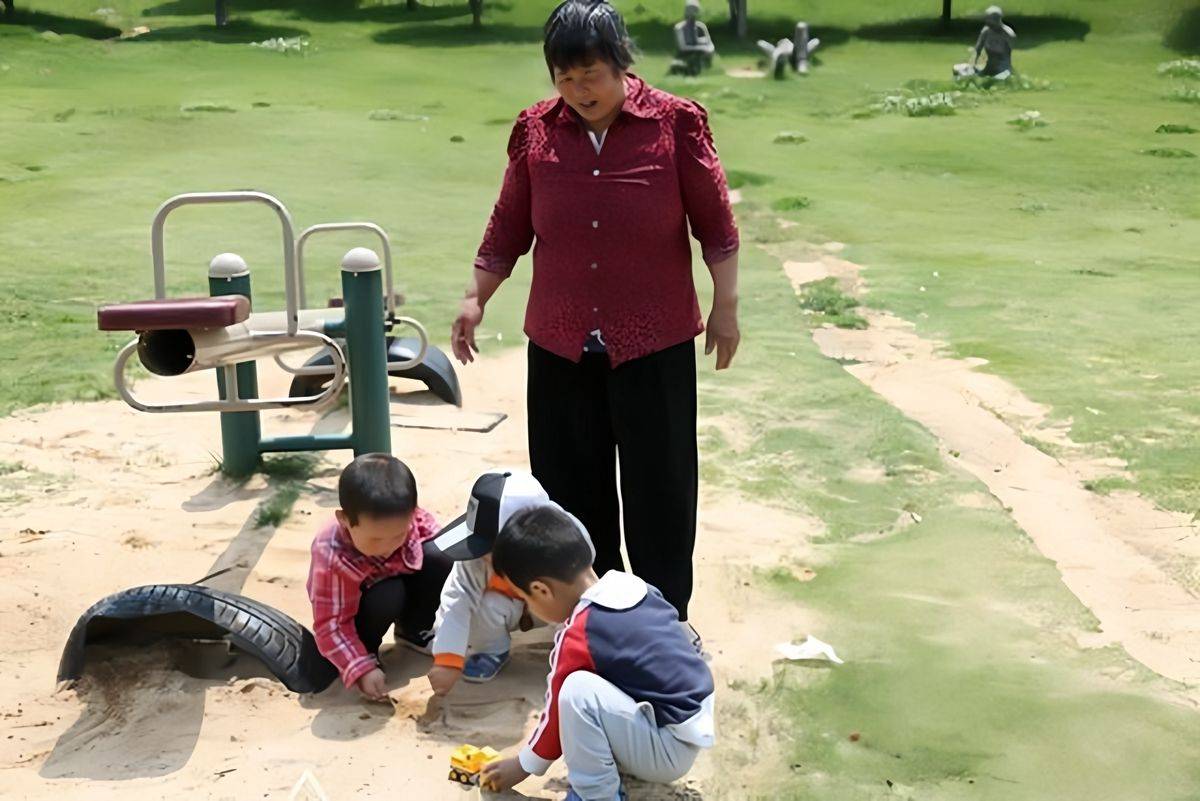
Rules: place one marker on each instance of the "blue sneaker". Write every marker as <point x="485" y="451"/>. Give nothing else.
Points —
<point x="483" y="667"/>
<point x="574" y="796"/>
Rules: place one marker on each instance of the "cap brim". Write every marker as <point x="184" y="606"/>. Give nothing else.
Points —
<point x="459" y="543"/>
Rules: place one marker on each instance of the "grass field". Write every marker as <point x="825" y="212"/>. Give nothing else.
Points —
<point x="1064" y="254"/>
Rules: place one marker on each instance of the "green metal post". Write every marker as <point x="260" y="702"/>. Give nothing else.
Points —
<point x="240" y="431"/>
<point x="367" y="352"/>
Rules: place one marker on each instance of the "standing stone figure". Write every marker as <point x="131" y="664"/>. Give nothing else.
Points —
<point x="996" y="40"/>
<point x="693" y="46"/>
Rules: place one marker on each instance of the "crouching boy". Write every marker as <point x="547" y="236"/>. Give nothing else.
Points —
<point x="627" y="691"/>
<point x="479" y="609"/>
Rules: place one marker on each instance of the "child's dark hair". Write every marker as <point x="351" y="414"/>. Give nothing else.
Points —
<point x="581" y="32"/>
<point x="539" y="543"/>
<point x="376" y="485"/>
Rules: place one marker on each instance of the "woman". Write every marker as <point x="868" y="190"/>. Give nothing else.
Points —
<point x="606" y="177"/>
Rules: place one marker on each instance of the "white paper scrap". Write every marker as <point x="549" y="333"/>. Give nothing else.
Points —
<point x="811" y="648"/>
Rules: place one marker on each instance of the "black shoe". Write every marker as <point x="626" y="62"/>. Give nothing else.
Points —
<point x="419" y="642"/>
<point x="694" y="638"/>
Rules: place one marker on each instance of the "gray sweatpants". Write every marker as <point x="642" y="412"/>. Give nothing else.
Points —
<point x="604" y="731"/>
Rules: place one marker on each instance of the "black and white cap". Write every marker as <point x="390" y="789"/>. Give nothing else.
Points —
<point x="495" y="498"/>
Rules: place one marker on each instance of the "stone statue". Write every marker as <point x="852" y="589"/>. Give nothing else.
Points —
<point x="785" y="52"/>
<point x="693" y="46"/>
<point x="802" y="47"/>
<point x="996" y="40"/>
<point x="779" y="55"/>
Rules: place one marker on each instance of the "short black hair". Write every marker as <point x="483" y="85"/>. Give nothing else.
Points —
<point x="539" y="543"/>
<point x="376" y="485"/>
<point x="581" y="32"/>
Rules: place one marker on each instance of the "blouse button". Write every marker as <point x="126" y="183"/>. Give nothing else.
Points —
<point x="595" y="223"/>
<point x="594" y="265"/>
<point x="595" y="172"/>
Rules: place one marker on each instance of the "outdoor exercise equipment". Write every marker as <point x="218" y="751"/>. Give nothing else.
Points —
<point x="222" y="333"/>
<point x="435" y="371"/>
<point x="191" y="611"/>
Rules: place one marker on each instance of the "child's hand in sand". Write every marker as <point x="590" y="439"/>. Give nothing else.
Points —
<point x="502" y="775"/>
<point x="373" y="685"/>
<point x="442" y="678"/>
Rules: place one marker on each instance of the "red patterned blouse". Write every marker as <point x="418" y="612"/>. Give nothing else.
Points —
<point x="612" y="251"/>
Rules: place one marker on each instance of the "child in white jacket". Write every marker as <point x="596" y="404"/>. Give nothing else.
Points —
<point x="479" y="609"/>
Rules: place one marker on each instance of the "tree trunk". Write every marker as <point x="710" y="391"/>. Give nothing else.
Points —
<point x="10" y="9"/>
<point x="742" y="20"/>
<point x="221" y="13"/>
<point x="946" y="11"/>
<point x="412" y="5"/>
<point x="476" y="13"/>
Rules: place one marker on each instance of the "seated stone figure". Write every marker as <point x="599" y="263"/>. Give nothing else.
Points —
<point x="996" y="40"/>
<point x="693" y="46"/>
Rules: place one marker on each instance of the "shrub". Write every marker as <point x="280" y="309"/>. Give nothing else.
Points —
<point x="1180" y="68"/>
<point x="1186" y="95"/>
<point x="792" y="203"/>
<point x="935" y="104"/>
<point x="297" y="45"/>
<point x="1168" y="153"/>
<point x="212" y="108"/>
<point x="825" y="297"/>
<point x="1028" y="120"/>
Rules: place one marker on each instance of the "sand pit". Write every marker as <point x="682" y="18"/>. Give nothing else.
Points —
<point x="1124" y="558"/>
<point x="97" y="498"/>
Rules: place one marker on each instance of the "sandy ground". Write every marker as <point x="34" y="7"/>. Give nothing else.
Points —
<point x="97" y="498"/>
<point x="1128" y="561"/>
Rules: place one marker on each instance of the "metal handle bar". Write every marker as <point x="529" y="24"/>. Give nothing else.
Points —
<point x="196" y="198"/>
<point x="338" y="369"/>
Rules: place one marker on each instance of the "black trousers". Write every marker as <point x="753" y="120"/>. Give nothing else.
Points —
<point x="408" y="601"/>
<point x="583" y="417"/>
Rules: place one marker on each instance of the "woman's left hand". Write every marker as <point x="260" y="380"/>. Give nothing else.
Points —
<point x="722" y="333"/>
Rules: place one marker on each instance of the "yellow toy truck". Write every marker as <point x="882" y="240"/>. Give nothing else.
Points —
<point x="467" y="761"/>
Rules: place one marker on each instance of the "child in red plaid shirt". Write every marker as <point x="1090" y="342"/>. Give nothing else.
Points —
<point x="371" y="569"/>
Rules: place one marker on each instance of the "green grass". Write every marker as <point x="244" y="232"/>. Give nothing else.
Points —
<point x="287" y="473"/>
<point x="291" y="466"/>
<point x="791" y="203"/>
<point x="959" y="687"/>
<point x="278" y="505"/>
<point x="1063" y="256"/>
<point x="1174" y="128"/>
<point x="835" y="306"/>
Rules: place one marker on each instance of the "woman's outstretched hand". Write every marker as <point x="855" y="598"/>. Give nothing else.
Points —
<point x="722" y="334"/>
<point x="462" y="333"/>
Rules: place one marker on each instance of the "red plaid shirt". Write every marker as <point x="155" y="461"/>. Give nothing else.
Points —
<point x="612" y="250"/>
<point x="337" y="576"/>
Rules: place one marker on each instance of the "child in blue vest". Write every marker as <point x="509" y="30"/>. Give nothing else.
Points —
<point x="627" y="690"/>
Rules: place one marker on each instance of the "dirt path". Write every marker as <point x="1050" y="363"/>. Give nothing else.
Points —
<point x="97" y="498"/>
<point x="1125" y="559"/>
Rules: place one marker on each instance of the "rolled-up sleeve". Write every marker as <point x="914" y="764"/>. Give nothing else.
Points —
<point x="703" y="184"/>
<point x="509" y="233"/>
